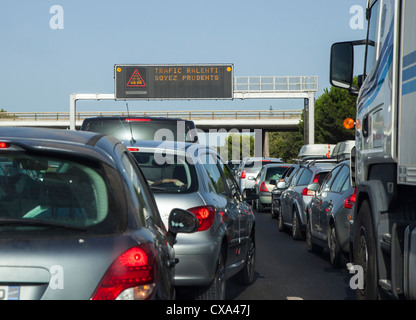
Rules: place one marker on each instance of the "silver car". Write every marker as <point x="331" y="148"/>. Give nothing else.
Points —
<point x="194" y="177"/>
<point x="249" y="169"/>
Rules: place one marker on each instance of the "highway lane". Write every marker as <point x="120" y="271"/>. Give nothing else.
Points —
<point x="285" y="270"/>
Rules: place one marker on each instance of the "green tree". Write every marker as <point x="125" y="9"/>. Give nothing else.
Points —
<point x="331" y="109"/>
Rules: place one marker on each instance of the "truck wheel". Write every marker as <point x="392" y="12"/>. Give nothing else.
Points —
<point x="365" y="253"/>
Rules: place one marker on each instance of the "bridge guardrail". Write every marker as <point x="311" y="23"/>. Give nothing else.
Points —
<point x="187" y="115"/>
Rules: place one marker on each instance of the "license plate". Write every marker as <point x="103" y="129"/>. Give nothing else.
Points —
<point x="9" y="292"/>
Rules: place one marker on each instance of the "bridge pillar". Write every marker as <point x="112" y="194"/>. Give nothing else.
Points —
<point x="265" y="143"/>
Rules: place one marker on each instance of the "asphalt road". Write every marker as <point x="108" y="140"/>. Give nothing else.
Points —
<point x="285" y="270"/>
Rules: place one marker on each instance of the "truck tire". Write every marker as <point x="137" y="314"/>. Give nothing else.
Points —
<point x="365" y="253"/>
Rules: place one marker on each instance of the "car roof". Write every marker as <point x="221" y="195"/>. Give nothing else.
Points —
<point x="124" y="118"/>
<point x="85" y="143"/>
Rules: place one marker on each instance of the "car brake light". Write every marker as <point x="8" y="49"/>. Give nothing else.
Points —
<point x="316" y="178"/>
<point x="137" y="119"/>
<point x="307" y="192"/>
<point x="205" y="215"/>
<point x="243" y="174"/>
<point x="263" y="187"/>
<point x="131" y="276"/>
<point x="132" y="149"/>
<point x="350" y="201"/>
<point x="4" y="145"/>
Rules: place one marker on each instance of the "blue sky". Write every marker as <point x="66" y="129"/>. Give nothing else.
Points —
<point x="40" y="66"/>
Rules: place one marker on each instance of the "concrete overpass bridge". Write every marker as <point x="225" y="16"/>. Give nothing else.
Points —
<point x="270" y="120"/>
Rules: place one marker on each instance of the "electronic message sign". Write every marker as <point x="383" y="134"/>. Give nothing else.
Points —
<point x="194" y="81"/>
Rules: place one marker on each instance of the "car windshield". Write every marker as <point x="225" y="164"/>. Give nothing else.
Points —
<point x="275" y="173"/>
<point x="171" y="174"/>
<point x="40" y="191"/>
<point x="140" y="129"/>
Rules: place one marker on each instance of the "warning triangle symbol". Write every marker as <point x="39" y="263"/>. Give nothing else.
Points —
<point x="136" y="80"/>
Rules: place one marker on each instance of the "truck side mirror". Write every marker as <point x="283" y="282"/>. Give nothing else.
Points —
<point x="342" y="65"/>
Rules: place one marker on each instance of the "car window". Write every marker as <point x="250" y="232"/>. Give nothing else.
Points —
<point x="75" y="192"/>
<point x="296" y="176"/>
<point x="231" y="183"/>
<point x="275" y="173"/>
<point x="305" y="178"/>
<point x="214" y="175"/>
<point x="340" y="179"/>
<point x="329" y="179"/>
<point x="144" y="205"/>
<point x="172" y="175"/>
<point x="142" y="129"/>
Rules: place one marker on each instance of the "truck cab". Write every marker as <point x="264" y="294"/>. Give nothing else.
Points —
<point x="384" y="159"/>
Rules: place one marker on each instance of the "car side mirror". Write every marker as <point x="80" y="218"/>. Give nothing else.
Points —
<point x="181" y="221"/>
<point x="314" y="186"/>
<point x="249" y="194"/>
<point x="281" y="185"/>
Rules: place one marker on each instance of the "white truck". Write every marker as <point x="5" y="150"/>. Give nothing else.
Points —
<point x="384" y="161"/>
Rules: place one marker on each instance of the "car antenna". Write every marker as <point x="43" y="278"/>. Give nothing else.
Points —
<point x="132" y="141"/>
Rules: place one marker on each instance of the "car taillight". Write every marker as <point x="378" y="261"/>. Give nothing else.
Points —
<point x="131" y="276"/>
<point x="243" y="174"/>
<point x="4" y="145"/>
<point x="263" y="187"/>
<point x="350" y="201"/>
<point x="133" y="149"/>
<point x="205" y="215"/>
<point x="307" y="192"/>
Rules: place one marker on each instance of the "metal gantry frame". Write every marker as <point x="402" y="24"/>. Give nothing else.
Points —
<point x="247" y="87"/>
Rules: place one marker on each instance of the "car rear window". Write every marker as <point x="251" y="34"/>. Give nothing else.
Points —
<point x="275" y="173"/>
<point x="48" y="192"/>
<point x="140" y="129"/>
<point x="175" y="175"/>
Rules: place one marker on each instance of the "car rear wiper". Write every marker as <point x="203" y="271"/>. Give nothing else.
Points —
<point x="40" y="223"/>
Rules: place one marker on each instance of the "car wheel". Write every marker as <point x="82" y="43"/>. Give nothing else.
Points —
<point x="335" y="254"/>
<point x="365" y="253"/>
<point x="312" y="247"/>
<point x="260" y="207"/>
<point x="296" y="233"/>
<point x="247" y="274"/>
<point x="216" y="290"/>
<point x="273" y="214"/>
<point x="280" y="222"/>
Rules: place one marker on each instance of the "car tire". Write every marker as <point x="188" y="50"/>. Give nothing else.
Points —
<point x="296" y="232"/>
<point x="216" y="290"/>
<point x="260" y="207"/>
<point x="312" y="247"/>
<point x="365" y="253"/>
<point x="280" y="222"/>
<point x="273" y="214"/>
<point x="335" y="254"/>
<point x="247" y="273"/>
